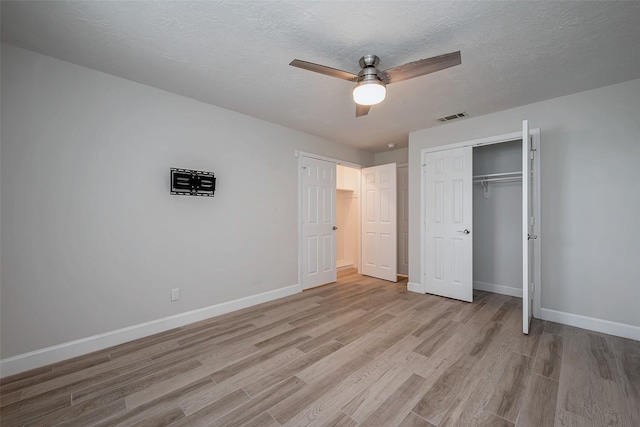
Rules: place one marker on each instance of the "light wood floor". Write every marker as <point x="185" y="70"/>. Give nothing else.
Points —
<point x="358" y="352"/>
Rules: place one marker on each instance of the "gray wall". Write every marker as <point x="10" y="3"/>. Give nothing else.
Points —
<point x="590" y="157"/>
<point x="399" y="156"/>
<point x="93" y="241"/>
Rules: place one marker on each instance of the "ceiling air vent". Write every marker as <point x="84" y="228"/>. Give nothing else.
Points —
<point x="453" y="117"/>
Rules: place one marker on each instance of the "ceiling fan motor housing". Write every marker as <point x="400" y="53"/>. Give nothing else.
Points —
<point x="369" y="61"/>
<point x="369" y="71"/>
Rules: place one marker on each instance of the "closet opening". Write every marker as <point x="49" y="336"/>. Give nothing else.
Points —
<point x="347" y="217"/>
<point x="497" y="218"/>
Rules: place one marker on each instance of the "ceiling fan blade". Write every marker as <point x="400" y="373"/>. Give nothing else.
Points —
<point x="362" y="110"/>
<point x="422" y="67"/>
<point x="333" y="72"/>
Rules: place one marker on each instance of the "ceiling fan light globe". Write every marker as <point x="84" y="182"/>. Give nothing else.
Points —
<point x="369" y="92"/>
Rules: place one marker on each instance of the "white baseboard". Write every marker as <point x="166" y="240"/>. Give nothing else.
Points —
<point x="35" y="359"/>
<point x="497" y="289"/>
<point x="592" y="324"/>
<point x="415" y="287"/>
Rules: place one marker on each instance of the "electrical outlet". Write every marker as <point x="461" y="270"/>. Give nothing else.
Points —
<point x="175" y="294"/>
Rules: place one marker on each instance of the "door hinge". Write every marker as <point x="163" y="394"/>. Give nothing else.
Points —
<point x="533" y="220"/>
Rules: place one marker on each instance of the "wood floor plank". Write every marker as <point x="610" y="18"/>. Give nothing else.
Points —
<point x="288" y="408"/>
<point x="158" y="406"/>
<point x="556" y="328"/>
<point x="260" y="403"/>
<point x="71" y="412"/>
<point x="574" y="393"/>
<point x="79" y="380"/>
<point x="480" y="342"/>
<point x="24" y="411"/>
<point x="509" y="394"/>
<point x="489" y="419"/>
<point x="335" y="332"/>
<point x="412" y="420"/>
<point x="609" y="404"/>
<point x="359" y="351"/>
<point x="539" y="408"/>
<point x="235" y="368"/>
<point x="365" y="328"/>
<point x="384" y="337"/>
<point x="568" y="419"/>
<point x="365" y="388"/>
<point x="124" y="385"/>
<point x="340" y="419"/>
<point x="168" y="386"/>
<point x="507" y="307"/>
<point x="262" y="420"/>
<point x="215" y="410"/>
<point x="466" y="409"/>
<point x="440" y="335"/>
<point x="435" y="402"/>
<point x="164" y="418"/>
<point x="274" y="376"/>
<point x="602" y="357"/>
<point x="398" y="405"/>
<point x="56" y="370"/>
<point x="523" y="344"/>
<point x="549" y="357"/>
<point x="629" y="367"/>
<point x="94" y="417"/>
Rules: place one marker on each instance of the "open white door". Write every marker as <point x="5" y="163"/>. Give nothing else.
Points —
<point x="448" y="220"/>
<point x="318" y="222"/>
<point x="379" y="227"/>
<point x="528" y="236"/>
<point x="403" y="220"/>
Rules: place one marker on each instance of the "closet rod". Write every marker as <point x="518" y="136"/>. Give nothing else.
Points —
<point x="498" y="175"/>
<point x="480" y="181"/>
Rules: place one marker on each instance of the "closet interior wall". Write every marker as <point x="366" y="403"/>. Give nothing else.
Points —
<point x="497" y="220"/>
<point x="347" y="217"/>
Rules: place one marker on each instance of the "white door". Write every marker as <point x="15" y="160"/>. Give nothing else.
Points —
<point x="448" y="220"/>
<point x="403" y="220"/>
<point x="318" y="221"/>
<point x="379" y="227"/>
<point x="527" y="226"/>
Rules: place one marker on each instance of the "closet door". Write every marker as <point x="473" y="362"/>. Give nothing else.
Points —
<point x="403" y="220"/>
<point x="448" y="220"/>
<point x="528" y="236"/>
<point x="379" y="226"/>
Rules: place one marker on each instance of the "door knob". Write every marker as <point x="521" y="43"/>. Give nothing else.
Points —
<point x="465" y="231"/>
<point x="335" y="228"/>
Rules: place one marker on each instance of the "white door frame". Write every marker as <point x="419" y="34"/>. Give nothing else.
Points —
<point x="497" y="139"/>
<point x="300" y="155"/>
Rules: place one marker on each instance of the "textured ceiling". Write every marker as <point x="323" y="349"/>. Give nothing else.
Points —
<point x="236" y="54"/>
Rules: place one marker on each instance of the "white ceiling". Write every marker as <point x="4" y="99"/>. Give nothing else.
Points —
<point x="236" y="54"/>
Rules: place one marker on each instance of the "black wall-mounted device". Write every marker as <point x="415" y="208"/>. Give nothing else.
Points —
<point x="187" y="182"/>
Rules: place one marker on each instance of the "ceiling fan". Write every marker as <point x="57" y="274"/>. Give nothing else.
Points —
<point x="370" y="88"/>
